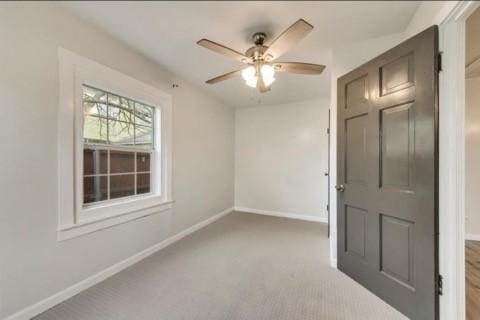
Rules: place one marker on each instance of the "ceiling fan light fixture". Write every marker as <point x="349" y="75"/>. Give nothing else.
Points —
<point x="268" y="74"/>
<point x="252" y="82"/>
<point x="249" y="75"/>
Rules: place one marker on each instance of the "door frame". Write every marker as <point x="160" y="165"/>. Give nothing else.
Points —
<point x="452" y="160"/>
<point x="328" y="173"/>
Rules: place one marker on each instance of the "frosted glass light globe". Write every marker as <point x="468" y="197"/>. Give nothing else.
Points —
<point x="248" y="73"/>
<point x="268" y="74"/>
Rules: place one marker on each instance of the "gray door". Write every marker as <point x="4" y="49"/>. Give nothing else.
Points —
<point x="387" y="175"/>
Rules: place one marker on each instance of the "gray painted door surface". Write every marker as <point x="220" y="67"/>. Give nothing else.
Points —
<point x="388" y="164"/>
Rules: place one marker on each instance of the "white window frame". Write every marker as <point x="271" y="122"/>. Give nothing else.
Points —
<point x="75" y="218"/>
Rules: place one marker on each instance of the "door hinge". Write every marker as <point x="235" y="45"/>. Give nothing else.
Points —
<point x="440" y="284"/>
<point x="439" y="61"/>
<point x="328" y="130"/>
<point x="328" y="208"/>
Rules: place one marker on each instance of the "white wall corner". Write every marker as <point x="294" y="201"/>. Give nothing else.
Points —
<point x="280" y="214"/>
<point x="430" y="13"/>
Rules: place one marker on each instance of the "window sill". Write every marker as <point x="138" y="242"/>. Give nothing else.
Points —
<point x="93" y="224"/>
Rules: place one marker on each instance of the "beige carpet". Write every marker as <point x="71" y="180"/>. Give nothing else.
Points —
<point x="243" y="266"/>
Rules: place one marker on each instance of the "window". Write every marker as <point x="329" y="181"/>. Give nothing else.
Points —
<point x="114" y="147"/>
<point x="118" y="143"/>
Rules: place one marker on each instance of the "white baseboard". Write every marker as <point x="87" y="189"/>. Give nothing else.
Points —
<point x="282" y="214"/>
<point x="63" y="295"/>
<point x="471" y="236"/>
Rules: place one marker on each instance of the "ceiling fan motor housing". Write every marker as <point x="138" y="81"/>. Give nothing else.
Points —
<point x="256" y="53"/>
<point x="259" y="38"/>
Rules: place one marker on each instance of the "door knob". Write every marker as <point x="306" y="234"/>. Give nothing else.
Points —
<point x="340" y="188"/>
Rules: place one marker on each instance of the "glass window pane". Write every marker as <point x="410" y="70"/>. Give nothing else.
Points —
<point x="143" y="161"/>
<point x="95" y="130"/>
<point x="122" y="185"/>
<point x="123" y="112"/>
<point x="95" y="189"/>
<point x="143" y="115"/>
<point x="122" y="162"/>
<point x="94" y="95"/>
<point x="127" y="103"/>
<point x="95" y="109"/>
<point x="121" y="133"/>
<point x="95" y="161"/>
<point x="120" y="114"/>
<point x="113" y="99"/>
<point x="143" y="136"/>
<point x="143" y="183"/>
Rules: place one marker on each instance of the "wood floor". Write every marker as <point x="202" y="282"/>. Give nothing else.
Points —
<point x="472" y="270"/>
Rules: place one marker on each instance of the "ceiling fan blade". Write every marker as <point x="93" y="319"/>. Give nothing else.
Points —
<point x="225" y="76"/>
<point x="298" y="67"/>
<point x="288" y="39"/>
<point x="221" y="49"/>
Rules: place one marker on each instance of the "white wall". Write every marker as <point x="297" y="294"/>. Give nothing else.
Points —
<point x="33" y="264"/>
<point x="472" y="128"/>
<point x="281" y="156"/>
<point x="428" y="14"/>
<point x="472" y="154"/>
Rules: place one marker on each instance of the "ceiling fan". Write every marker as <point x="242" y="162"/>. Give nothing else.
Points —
<point x="261" y="69"/>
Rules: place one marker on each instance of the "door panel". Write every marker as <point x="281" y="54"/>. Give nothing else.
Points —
<point x="388" y="162"/>
<point x="355" y="222"/>
<point x="355" y="138"/>
<point x="356" y="92"/>
<point x="397" y="142"/>
<point x="397" y="75"/>
<point x="396" y="249"/>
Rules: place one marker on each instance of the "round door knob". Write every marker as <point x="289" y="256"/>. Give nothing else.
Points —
<point x="340" y="188"/>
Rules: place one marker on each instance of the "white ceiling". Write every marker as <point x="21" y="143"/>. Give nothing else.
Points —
<point x="167" y="32"/>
